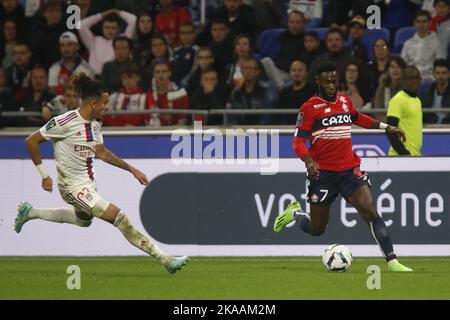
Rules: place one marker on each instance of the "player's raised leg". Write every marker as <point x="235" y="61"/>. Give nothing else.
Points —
<point x="27" y="212"/>
<point x="120" y="220"/>
<point x="362" y="200"/>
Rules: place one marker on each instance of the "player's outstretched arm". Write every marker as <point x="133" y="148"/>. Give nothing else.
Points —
<point x="107" y="156"/>
<point x="365" y="121"/>
<point x="32" y="143"/>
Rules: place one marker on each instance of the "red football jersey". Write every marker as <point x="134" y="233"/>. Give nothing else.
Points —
<point x="328" y="126"/>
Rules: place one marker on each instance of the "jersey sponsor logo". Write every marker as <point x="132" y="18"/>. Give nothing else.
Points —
<point x="299" y="119"/>
<point x="337" y="119"/>
<point x="50" y="125"/>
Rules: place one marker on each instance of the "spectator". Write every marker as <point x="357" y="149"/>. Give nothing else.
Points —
<point x="110" y="72"/>
<point x="8" y="38"/>
<point x="422" y="49"/>
<point x="242" y="50"/>
<point x="313" y="47"/>
<point x="70" y="64"/>
<point x="312" y="10"/>
<point x="18" y="74"/>
<point x="165" y="94"/>
<point x="169" y="20"/>
<point x="184" y="56"/>
<point x="12" y="10"/>
<point x="438" y="94"/>
<point x="443" y="33"/>
<point x="6" y="97"/>
<point x="294" y="95"/>
<point x="129" y="98"/>
<point x="142" y="42"/>
<point x="211" y="7"/>
<point x="69" y="100"/>
<point x="291" y="48"/>
<point x="45" y="45"/>
<point x="209" y="96"/>
<point x="254" y="93"/>
<point x="100" y="47"/>
<point x="336" y="52"/>
<point x="390" y="84"/>
<point x="159" y="49"/>
<point x="405" y="112"/>
<point x="35" y="98"/>
<point x="269" y="13"/>
<point x="205" y="60"/>
<point x="354" y="84"/>
<point x="358" y="30"/>
<point x="442" y="13"/>
<point x="340" y="12"/>
<point x="221" y="44"/>
<point x="241" y="18"/>
<point x="378" y="66"/>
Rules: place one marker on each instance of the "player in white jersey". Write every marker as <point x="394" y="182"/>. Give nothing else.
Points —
<point x="77" y="138"/>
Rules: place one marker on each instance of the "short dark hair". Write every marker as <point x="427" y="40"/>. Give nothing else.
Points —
<point x="123" y="38"/>
<point x="220" y="20"/>
<point x="447" y="2"/>
<point x="129" y="68"/>
<point x="52" y="4"/>
<point x="423" y="13"/>
<point x="440" y="63"/>
<point x="161" y="61"/>
<point x="336" y="30"/>
<point x="22" y="43"/>
<point x="297" y="12"/>
<point x="111" y="18"/>
<point x="399" y="60"/>
<point x="326" y="66"/>
<point x="312" y="34"/>
<point x="209" y="69"/>
<point x="187" y="24"/>
<point x="86" y="87"/>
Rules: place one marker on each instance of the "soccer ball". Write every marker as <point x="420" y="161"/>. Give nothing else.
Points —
<point x="337" y="258"/>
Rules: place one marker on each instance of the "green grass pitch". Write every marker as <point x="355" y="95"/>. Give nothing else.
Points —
<point x="291" y="278"/>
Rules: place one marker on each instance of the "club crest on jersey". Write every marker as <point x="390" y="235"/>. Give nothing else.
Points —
<point x="50" y="125"/>
<point x="314" y="198"/>
<point x="299" y="119"/>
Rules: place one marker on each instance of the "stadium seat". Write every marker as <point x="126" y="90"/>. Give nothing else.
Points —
<point x="268" y="43"/>
<point x="321" y="32"/>
<point x="402" y="35"/>
<point x="372" y="35"/>
<point x="424" y="88"/>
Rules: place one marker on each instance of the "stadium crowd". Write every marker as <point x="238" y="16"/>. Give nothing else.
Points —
<point x="254" y="54"/>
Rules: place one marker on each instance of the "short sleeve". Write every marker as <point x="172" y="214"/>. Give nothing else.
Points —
<point x="305" y="121"/>
<point x="395" y="108"/>
<point x="52" y="130"/>
<point x="98" y="132"/>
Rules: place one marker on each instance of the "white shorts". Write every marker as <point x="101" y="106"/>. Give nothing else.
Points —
<point x="86" y="199"/>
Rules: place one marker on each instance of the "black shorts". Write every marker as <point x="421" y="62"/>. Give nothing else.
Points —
<point x="324" y="191"/>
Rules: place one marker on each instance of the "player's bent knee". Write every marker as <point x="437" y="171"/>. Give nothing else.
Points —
<point x="83" y="219"/>
<point x="100" y="208"/>
<point x="110" y="214"/>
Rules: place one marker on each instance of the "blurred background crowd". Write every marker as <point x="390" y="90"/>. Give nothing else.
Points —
<point x="206" y="55"/>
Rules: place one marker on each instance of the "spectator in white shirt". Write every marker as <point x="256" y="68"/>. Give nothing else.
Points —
<point x="422" y="49"/>
<point x="100" y="47"/>
<point x="70" y="64"/>
<point x="312" y="9"/>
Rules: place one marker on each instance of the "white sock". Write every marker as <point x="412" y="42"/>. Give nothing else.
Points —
<point x="138" y="240"/>
<point x="59" y="215"/>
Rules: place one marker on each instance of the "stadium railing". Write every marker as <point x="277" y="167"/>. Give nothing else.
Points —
<point x="225" y="113"/>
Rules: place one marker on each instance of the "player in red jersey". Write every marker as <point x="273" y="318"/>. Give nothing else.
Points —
<point x="332" y="166"/>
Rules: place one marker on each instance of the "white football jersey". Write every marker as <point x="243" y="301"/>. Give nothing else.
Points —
<point x="74" y="140"/>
